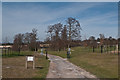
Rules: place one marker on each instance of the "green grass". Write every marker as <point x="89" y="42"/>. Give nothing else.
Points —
<point x="45" y="64"/>
<point x="16" y="54"/>
<point x="102" y="65"/>
<point x="61" y="53"/>
<point x="39" y="61"/>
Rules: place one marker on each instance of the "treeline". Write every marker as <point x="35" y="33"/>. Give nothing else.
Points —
<point x="102" y="42"/>
<point x="27" y="40"/>
<point x="62" y="36"/>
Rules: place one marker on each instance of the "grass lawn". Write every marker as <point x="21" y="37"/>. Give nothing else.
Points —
<point x="103" y="65"/>
<point x="17" y="54"/>
<point x="14" y="66"/>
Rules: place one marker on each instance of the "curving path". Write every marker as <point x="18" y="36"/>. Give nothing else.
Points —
<point x="62" y="68"/>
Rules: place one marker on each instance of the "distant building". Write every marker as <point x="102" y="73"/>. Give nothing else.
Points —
<point x="7" y="46"/>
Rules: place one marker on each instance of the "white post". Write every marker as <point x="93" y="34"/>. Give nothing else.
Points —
<point x="117" y="47"/>
<point x="26" y="62"/>
<point x="33" y="63"/>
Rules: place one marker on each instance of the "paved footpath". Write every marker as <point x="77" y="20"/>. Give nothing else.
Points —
<point x="62" y="68"/>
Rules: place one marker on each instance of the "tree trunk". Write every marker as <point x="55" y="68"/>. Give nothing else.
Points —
<point x="5" y="51"/>
<point x="101" y="49"/>
<point x="19" y="51"/>
<point x="107" y="48"/>
<point x="93" y="49"/>
<point x="114" y="49"/>
<point x="70" y="32"/>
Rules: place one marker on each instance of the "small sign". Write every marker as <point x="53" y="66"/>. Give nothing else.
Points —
<point x="29" y="58"/>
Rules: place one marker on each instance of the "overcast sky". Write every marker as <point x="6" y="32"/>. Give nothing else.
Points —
<point x="95" y="18"/>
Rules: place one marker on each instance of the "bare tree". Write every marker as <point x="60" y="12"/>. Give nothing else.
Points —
<point x="118" y="46"/>
<point x="47" y="40"/>
<point x="102" y="37"/>
<point x="110" y="42"/>
<point x="33" y="39"/>
<point x="64" y="34"/>
<point x="57" y="29"/>
<point x="55" y="35"/>
<point x="6" y="41"/>
<point x="18" y="41"/>
<point x="50" y="30"/>
<point x="64" y="37"/>
<point x="27" y="38"/>
<point x="56" y="39"/>
<point x="92" y="42"/>
<point x="74" y="28"/>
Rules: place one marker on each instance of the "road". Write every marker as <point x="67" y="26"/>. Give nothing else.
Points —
<point x="62" y="68"/>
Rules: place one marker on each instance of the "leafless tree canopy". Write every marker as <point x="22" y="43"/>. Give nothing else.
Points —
<point x="74" y="28"/>
<point x="62" y="35"/>
<point x="28" y="39"/>
<point x="18" y="41"/>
